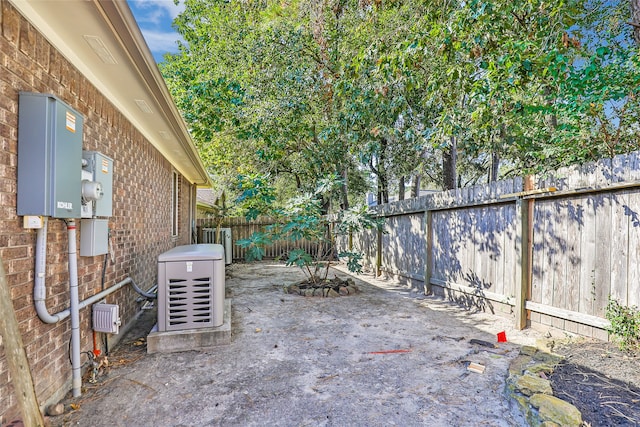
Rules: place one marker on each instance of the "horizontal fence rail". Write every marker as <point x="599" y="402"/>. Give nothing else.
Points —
<point x="551" y="252"/>
<point x="243" y="229"/>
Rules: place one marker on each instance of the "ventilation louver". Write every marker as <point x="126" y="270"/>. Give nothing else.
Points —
<point x="106" y="318"/>
<point x="190" y="303"/>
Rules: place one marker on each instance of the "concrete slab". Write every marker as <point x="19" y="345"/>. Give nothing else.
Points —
<point x="191" y="339"/>
<point x="385" y="356"/>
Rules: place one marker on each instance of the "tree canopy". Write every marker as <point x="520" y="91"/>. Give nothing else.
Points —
<point x="380" y="92"/>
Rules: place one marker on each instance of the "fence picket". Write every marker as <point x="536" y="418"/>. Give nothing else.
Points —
<point x="585" y="244"/>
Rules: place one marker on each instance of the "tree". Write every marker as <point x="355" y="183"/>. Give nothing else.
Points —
<point x="303" y="217"/>
<point x="453" y="92"/>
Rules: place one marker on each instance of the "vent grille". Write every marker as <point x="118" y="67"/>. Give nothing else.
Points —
<point x="208" y="235"/>
<point x="106" y="318"/>
<point x="189" y="303"/>
<point x="186" y="299"/>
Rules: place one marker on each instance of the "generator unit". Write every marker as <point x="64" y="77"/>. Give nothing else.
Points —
<point x="191" y="287"/>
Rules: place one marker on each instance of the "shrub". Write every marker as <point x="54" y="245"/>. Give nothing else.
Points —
<point x="303" y="217"/>
<point x="625" y="324"/>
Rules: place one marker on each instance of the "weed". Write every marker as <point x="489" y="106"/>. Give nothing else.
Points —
<point x="625" y="324"/>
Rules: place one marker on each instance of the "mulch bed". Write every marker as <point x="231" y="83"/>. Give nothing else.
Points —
<point x="601" y="381"/>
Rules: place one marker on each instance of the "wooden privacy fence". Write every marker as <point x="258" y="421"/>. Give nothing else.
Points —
<point x="551" y="254"/>
<point x="243" y="229"/>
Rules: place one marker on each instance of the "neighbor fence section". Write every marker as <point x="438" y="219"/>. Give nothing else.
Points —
<point x="474" y="247"/>
<point x="243" y="229"/>
<point x="586" y="245"/>
<point x="551" y="254"/>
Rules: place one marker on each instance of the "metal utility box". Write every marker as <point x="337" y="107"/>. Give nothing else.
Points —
<point x="209" y="236"/>
<point x="94" y="237"/>
<point x="228" y="248"/>
<point x="100" y="168"/>
<point x="49" y="157"/>
<point x="191" y="287"/>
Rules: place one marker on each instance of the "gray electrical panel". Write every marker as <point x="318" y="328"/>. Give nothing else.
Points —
<point x="94" y="237"/>
<point x="49" y="157"/>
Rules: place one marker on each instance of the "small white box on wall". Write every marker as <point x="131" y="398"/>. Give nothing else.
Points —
<point x="94" y="237"/>
<point x="106" y="318"/>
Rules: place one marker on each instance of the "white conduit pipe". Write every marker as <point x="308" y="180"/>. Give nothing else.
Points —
<point x="39" y="289"/>
<point x="40" y="294"/>
<point x="76" y="364"/>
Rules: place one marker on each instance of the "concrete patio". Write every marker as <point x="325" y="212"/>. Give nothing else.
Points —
<point x="385" y="356"/>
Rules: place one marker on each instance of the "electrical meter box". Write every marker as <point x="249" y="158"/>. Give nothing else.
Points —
<point x="98" y="169"/>
<point x="49" y="157"/>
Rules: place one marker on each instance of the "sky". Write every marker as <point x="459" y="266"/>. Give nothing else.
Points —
<point x="154" y="18"/>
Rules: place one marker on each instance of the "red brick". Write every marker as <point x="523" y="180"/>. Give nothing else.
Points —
<point x="141" y="196"/>
<point x="27" y="39"/>
<point x="42" y="52"/>
<point x="10" y="23"/>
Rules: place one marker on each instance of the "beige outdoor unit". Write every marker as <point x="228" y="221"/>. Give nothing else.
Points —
<point x="191" y="287"/>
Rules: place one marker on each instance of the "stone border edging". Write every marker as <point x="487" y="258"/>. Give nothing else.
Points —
<point x="529" y="388"/>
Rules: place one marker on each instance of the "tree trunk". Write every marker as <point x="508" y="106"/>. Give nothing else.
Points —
<point x="495" y="166"/>
<point x="383" y="189"/>
<point x="344" y="190"/>
<point x="381" y="173"/>
<point x="635" y="20"/>
<point x="401" y="187"/>
<point x="383" y="180"/>
<point x="379" y="180"/>
<point x="415" y="188"/>
<point x="449" y="159"/>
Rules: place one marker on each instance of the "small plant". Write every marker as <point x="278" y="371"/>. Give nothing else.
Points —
<point x="625" y="324"/>
<point x="303" y="218"/>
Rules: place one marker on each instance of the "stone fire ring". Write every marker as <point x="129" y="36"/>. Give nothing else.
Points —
<point x="327" y="288"/>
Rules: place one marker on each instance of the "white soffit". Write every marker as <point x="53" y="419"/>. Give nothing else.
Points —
<point x="102" y="40"/>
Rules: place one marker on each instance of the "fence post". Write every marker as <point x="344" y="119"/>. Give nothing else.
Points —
<point x="524" y="236"/>
<point x="428" y="270"/>
<point x="379" y="253"/>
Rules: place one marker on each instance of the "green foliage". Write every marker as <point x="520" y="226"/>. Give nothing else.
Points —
<point x="625" y="324"/>
<point x="300" y="89"/>
<point x="255" y="245"/>
<point x="356" y="219"/>
<point x="256" y="194"/>
<point x="299" y="258"/>
<point x="302" y="217"/>
<point x="354" y="261"/>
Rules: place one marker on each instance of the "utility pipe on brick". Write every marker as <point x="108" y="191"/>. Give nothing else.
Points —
<point x="40" y="289"/>
<point x="76" y="365"/>
<point x="40" y="294"/>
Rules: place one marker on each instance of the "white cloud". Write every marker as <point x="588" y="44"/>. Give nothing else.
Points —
<point x="156" y="12"/>
<point x="170" y="7"/>
<point x="161" y="41"/>
<point x="154" y="18"/>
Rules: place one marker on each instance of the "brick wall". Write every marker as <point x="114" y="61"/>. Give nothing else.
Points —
<point x="141" y="223"/>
